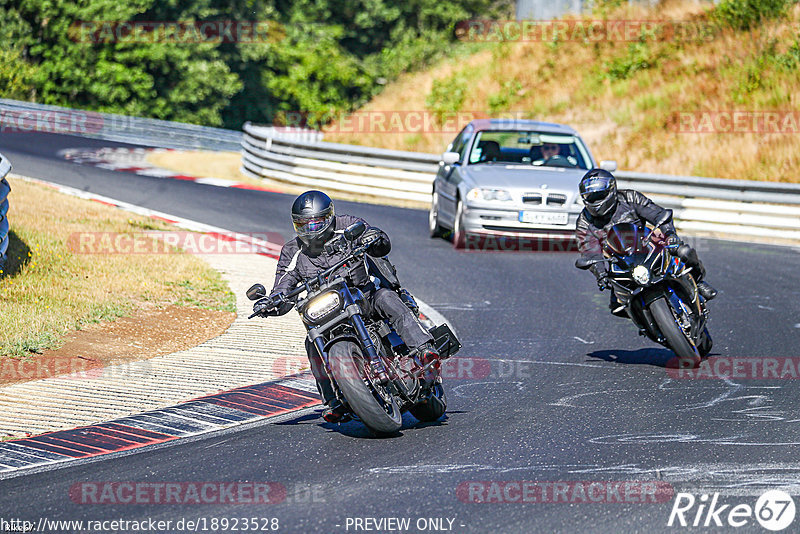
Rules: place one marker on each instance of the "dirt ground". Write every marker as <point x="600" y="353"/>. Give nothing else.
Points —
<point x="146" y="334"/>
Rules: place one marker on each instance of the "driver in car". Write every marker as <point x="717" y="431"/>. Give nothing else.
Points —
<point x="551" y="156"/>
<point x="315" y="223"/>
<point x="549" y="150"/>
<point x="605" y="206"/>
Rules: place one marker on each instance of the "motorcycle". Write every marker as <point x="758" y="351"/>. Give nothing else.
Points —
<point x="656" y="290"/>
<point x="372" y="371"/>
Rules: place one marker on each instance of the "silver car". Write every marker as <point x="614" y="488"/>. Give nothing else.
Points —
<point x="512" y="178"/>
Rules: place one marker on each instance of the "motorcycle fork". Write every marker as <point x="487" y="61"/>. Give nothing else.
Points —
<point x="373" y="359"/>
<point x="319" y="344"/>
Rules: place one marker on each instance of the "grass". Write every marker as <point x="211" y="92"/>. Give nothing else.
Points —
<point x="624" y="97"/>
<point x="48" y="289"/>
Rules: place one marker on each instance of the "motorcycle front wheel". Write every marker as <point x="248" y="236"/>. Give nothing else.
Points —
<point x="377" y="410"/>
<point x="688" y="358"/>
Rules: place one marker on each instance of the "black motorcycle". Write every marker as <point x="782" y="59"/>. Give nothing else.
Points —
<point x="656" y="290"/>
<point x="371" y="369"/>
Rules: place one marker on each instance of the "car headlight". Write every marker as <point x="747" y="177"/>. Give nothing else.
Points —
<point x="323" y="305"/>
<point x="641" y="274"/>
<point x="500" y="195"/>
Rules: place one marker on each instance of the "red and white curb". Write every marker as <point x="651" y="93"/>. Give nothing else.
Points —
<point x="134" y="160"/>
<point x="200" y="416"/>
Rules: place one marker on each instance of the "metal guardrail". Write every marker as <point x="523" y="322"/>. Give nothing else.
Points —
<point x="280" y="155"/>
<point x="5" y="168"/>
<point x="702" y="205"/>
<point x="21" y="116"/>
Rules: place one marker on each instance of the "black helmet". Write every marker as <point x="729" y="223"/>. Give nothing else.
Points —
<point x="312" y="216"/>
<point x="599" y="192"/>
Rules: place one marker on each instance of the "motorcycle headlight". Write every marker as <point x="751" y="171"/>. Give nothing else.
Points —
<point x="641" y="274"/>
<point x="490" y="195"/>
<point x="323" y="305"/>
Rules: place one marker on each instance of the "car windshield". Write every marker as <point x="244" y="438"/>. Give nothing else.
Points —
<point x="529" y="148"/>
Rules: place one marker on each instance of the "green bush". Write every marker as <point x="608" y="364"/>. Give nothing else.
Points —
<point x="448" y="94"/>
<point x="16" y="75"/>
<point x="746" y="14"/>
<point x="639" y="57"/>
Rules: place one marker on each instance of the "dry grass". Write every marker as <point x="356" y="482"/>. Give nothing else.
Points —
<point x="221" y="165"/>
<point x="202" y="164"/>
<point x="632" y="117"/>
<point x="49" y="290"/>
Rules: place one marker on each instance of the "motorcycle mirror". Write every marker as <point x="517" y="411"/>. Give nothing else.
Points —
<point x="256" y="291"/>
<point x="354" y="231"/>
<point x="584" y="263"/>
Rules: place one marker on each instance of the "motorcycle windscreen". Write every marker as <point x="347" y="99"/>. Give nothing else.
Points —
<point x="626" y="239"/>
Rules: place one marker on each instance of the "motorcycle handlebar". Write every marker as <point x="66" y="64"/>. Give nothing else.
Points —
<point x="280" y="298"/>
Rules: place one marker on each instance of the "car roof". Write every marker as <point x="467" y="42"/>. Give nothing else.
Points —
<point x="521" y="124"/>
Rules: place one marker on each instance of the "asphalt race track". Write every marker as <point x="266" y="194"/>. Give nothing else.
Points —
<point x="564" y="392"/>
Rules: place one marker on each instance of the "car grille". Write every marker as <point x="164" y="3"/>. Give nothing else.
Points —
<point x="553" y="199"/>
<point x="532" y="198"/>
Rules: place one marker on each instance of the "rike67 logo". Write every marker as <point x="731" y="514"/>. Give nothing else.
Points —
<point x="774" y="510"/>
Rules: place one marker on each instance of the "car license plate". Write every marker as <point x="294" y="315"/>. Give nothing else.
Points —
<point x="543" y="217"/>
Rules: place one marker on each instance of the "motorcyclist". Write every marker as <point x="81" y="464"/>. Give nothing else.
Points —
<point x="315" y="223"/>
<point x="605" y="206"/>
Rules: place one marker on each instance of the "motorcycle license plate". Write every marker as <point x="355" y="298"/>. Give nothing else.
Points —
<point x="543" y="217"/>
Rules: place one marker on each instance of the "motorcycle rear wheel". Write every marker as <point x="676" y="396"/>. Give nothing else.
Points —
<point x="688" y="358"/>
<point x="347" y="365"/>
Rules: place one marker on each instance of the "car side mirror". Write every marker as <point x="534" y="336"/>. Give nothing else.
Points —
<point x="354" y="231"/>
<point x="608" y="165"/>
<point x="449" y="158"/>
<point x="256" y="291"/>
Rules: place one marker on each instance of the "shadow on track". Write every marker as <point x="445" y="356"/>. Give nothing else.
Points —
<point x="356" y="429"/>
<point x="657" y="357"/>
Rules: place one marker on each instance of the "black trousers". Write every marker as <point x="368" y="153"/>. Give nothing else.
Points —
<point x="384" y="304"/>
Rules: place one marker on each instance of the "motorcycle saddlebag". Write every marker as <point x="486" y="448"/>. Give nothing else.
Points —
<point x="445" y="340"/>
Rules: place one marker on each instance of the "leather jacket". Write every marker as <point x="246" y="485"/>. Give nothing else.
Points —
<point x="297" y="263"/>
<point x="632" y="207"/>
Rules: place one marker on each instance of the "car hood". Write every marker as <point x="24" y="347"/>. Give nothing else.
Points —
<point x="523" y="177"/>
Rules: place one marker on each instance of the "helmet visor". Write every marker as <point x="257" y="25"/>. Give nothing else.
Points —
<point x="595" y="196"/>
<point x="596" y="188"/>
<point x="309" y="226"/>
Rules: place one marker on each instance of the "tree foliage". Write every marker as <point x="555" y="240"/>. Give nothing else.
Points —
<point x="320" y="56"/>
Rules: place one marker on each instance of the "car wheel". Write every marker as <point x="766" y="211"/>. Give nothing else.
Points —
<point x="434" y="227"/>
<point x="458" y="226"/>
